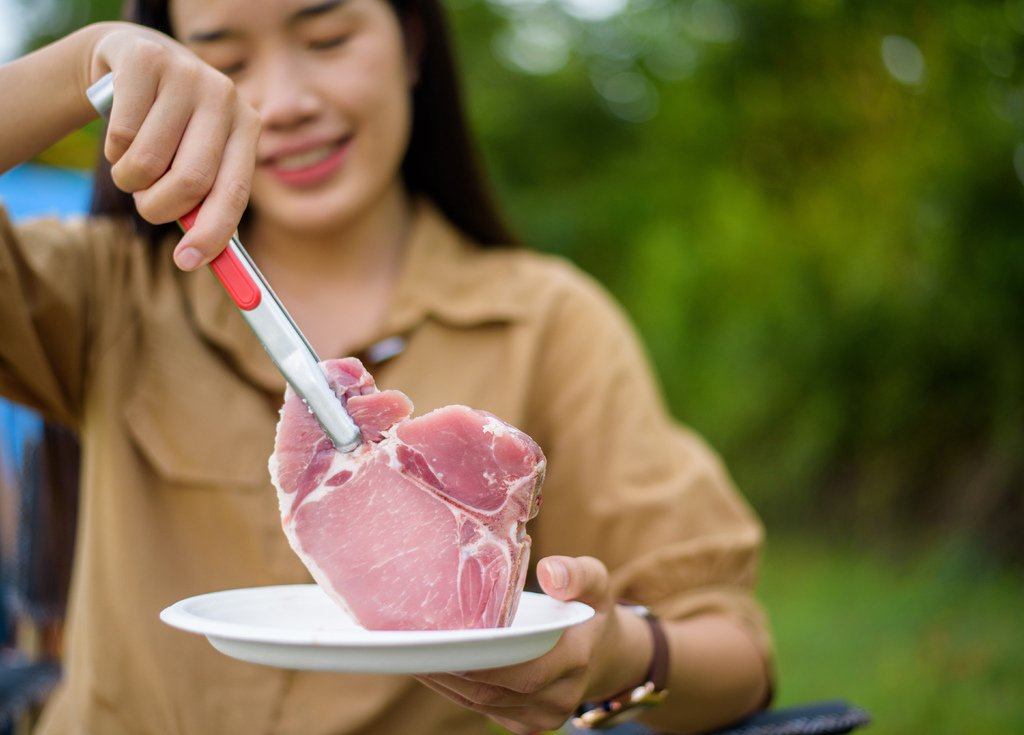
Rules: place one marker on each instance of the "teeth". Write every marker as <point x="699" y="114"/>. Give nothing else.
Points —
<point x="303" y="160"/>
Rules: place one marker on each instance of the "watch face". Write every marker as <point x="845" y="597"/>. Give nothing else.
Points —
<point x="642" y="610"/>
<point x="618" y="709"/>
<point x="604" y="720"/>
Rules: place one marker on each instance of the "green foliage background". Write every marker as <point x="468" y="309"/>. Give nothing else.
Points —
<point x="826" y="263"/>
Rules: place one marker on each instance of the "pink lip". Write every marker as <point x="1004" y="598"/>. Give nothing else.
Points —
<point x="311" y="175"/>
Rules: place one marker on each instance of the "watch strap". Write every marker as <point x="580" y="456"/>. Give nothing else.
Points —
<point x="658" y="672"/>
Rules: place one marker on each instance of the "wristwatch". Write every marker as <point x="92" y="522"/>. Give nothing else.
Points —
<point x="630" y="703"/>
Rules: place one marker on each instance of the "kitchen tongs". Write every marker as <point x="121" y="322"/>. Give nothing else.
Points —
<point x="280" y="336"/>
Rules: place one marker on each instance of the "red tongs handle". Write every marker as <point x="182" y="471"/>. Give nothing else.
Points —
<point x="228" y="268"/>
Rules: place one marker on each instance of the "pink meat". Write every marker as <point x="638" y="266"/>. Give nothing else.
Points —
<point x="421" y="527"/>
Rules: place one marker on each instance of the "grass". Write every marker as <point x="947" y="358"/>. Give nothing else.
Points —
<point x="930" y="643"/>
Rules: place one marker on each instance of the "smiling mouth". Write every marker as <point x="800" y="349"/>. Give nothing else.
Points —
<point x="300" y="161"/>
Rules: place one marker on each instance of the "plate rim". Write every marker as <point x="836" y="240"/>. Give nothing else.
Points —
<point x="177" y="615"/>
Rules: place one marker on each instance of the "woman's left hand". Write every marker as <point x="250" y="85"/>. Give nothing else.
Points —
<point x="593" y="660"/>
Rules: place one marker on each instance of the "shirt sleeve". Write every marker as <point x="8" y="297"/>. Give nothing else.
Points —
<point x="628" y="484"/>
<point x="51" y="320"/>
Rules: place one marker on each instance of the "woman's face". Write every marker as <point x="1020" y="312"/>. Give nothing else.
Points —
<point x="331" y="80"/>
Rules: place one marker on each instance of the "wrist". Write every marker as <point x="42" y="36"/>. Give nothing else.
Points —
<point x="643" y="690"/>
<point x="627" y="661"/>
<point x="44" y="95"/>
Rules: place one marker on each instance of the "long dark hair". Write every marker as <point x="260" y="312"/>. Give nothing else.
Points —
<point x="441" y="162"/>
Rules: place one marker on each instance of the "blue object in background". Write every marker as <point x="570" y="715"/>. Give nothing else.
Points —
<point x="27" y="191"/>
<point x="30" y="562"/>
<point x="34" y="190"/>
<point x="19" y="427"/>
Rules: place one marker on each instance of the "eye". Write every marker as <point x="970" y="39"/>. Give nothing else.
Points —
<point x="323" y="44"/>
<point x="231" y="69"/>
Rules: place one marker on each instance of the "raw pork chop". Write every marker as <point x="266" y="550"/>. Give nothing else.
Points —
<point x="421" y="527"/>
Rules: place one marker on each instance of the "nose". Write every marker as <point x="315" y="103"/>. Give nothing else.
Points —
<point x="282" y="97"/>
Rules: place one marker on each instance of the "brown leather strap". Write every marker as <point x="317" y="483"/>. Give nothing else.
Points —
<point x="658" y="672"/>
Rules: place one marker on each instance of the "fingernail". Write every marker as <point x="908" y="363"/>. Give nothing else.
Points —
<point x="188" y="258"/>
<point x="558" y="573"/>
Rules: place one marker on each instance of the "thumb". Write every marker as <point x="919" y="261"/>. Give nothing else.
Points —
<point x="581" y="578"/>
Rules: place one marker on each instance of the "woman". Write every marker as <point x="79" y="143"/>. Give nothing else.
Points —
<point x="334" y="128"/>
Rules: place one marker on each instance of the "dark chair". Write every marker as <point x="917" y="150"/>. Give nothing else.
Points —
<point x="24" y="686"/>
<point x="834" y="716"/>
<point x="822" y="718"/>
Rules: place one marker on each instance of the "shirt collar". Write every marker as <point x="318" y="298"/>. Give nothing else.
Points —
<point x="444" y="276"/>
<point x="448" y="277"/>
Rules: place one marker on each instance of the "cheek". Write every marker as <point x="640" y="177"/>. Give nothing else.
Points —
<point x="380" y="80"/>
<point x="384" y="107"/>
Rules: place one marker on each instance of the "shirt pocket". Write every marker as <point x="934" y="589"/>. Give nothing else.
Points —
<point x="197" y="422"/>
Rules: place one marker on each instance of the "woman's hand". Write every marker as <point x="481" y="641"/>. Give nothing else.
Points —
<point x="594" y="660"/>
<point x="178" y="135"/>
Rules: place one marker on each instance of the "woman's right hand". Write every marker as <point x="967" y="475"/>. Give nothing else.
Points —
<point x="178" y="134"/>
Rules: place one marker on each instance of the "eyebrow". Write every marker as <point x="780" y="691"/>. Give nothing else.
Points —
<point x="304" y="13"/>
<point x="311" y="11"/>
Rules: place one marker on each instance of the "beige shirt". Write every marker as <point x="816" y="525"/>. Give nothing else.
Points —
<point x="176" y="403"/>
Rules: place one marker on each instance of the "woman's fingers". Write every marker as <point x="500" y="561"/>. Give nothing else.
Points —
<point x="135" y="97"/>
<point x="186" y="178"/>
<point x="147" y="66"/>
<point x="226" y="201"/>
<point x="541" y="694"/>
<point x="568" y="660"/>
<point x="147" y="147"/>
<point x="538" y="695"/>
<point x="582" y="578"/>
<point x="514" y="712"/>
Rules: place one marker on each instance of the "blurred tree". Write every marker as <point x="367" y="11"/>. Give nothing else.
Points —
<point x="43" y="21"/>
<point x="812" y="210"/>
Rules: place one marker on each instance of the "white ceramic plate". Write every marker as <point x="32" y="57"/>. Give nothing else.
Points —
<point x="299" y="627"/>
